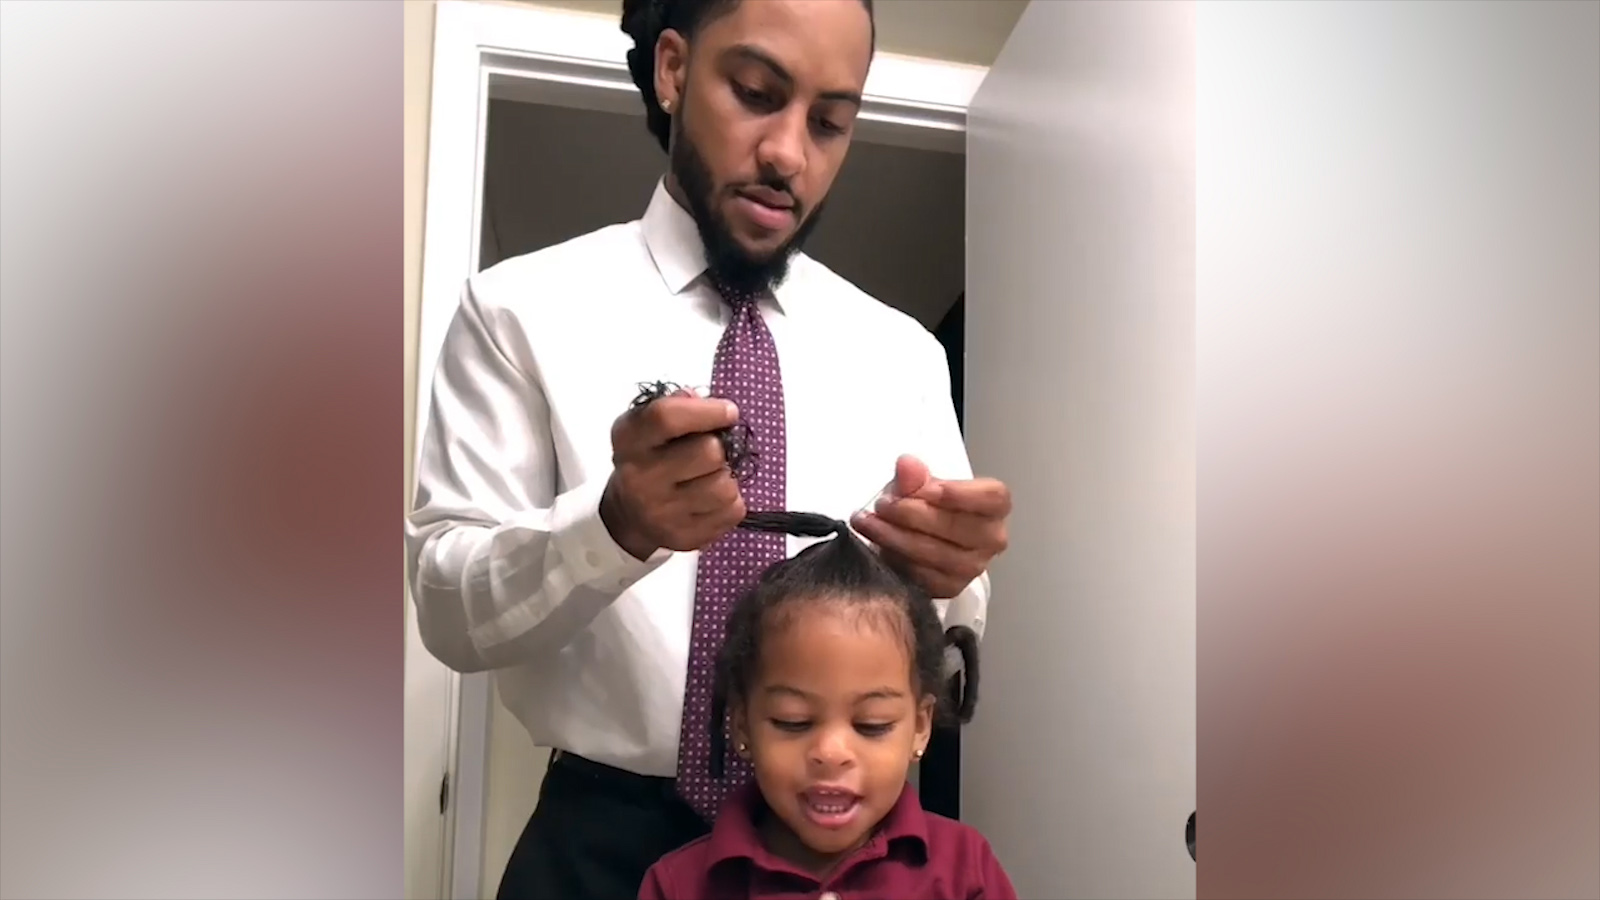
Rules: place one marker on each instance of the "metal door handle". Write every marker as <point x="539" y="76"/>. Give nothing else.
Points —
<point x="1188" y="835"/>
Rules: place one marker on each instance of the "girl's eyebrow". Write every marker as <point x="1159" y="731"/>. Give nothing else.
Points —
<point x="883" y="693"/>
<point x="787" y="690"/>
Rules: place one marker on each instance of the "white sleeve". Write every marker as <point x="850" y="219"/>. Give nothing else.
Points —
<point x="502" y="569"/>
<point x="941" y="446"/>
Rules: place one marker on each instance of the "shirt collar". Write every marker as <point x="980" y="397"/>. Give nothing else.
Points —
<point x="680" y="256"/>
<point x="735" y="835"/>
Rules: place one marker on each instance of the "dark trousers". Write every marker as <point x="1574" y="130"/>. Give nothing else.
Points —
<point x="594" y="833"/>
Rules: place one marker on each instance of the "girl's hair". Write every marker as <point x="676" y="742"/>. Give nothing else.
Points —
<point x="644" y="20"/>
<point x="841" y="570"/>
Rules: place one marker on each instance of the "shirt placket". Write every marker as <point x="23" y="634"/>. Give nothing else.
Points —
<point x="834" y="886"/>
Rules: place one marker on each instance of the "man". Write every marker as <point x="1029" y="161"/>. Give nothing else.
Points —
<point x="589" y="558"/>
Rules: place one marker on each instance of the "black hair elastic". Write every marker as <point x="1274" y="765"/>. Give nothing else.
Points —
<point x="965" y="640"/>
<point x="738" y="442"/>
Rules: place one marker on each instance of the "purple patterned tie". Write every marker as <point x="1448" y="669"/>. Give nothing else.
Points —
<point x="746" y="372"/>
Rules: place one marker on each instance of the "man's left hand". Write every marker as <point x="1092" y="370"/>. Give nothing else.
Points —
<point x="941" y="534"/>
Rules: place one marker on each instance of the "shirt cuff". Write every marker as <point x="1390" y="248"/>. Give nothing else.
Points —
<point x="590" y="553"/>
<point x="968" y="607"/>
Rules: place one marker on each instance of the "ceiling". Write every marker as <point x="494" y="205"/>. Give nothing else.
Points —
<point x="966" y="31"/>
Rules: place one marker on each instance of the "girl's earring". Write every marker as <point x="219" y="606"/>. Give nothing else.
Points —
<point x="666" y="106"/>
<point x="916" y="754"/>
<point x="743" y="749"/>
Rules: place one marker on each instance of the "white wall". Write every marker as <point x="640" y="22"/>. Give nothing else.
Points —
<point x="426" y="681"/>
<point x="1329" y="269"/>
<point x="893" y="224"/>
<point x="1080" y="764"/>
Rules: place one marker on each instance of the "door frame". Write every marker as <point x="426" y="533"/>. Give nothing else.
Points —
<point x="484" y="51"/>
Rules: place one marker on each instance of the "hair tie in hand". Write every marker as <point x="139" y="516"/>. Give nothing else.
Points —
<point x="738" y="443"/>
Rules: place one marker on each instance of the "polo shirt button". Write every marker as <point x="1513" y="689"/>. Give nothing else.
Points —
<point x="829" y="896"/>
<point x="592" y="557"/>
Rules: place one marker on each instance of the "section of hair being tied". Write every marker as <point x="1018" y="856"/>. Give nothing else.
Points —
<point x="799" y="524"/>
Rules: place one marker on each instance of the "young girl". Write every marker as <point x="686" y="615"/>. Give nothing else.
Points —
<point x="832" y="674"/>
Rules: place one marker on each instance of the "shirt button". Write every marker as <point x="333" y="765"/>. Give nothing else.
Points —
<point x="592" y="557"/>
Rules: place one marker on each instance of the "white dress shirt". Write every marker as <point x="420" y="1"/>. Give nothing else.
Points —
<point x="511" y="566"/>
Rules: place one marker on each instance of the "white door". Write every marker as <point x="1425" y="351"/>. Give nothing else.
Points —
<point x="428" y="687"/>
<point x="1080" y="764"/>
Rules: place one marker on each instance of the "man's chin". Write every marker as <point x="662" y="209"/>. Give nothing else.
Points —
<point x="745" y="261"/>
<point x="760" y="250"/>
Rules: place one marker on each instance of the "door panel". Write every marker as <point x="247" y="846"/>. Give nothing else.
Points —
<point x="1080" y="764"/>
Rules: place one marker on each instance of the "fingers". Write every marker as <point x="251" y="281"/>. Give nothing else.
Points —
<point x="983" y="497"/>
<point x="717" y="522"/>
<point x="910" y="476"/>
<point x="670" y="486"/>
<point x="940" y="534"/>
<point x="924" y="551"/>
<point x="691" y="458"/>
<point x="681" y="517"/>
<point x="716" y="493"/>
<point x="962" y="529"/>
<point x="664" y="420"/>
<point x="938" y="585"/>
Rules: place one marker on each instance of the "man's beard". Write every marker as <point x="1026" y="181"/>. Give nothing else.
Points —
<point x="731" y="264"/>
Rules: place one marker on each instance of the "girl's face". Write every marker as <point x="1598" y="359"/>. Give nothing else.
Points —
<point x="831" y="723"/>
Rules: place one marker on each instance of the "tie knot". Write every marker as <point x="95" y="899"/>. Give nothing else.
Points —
<point x="738" y="298"/>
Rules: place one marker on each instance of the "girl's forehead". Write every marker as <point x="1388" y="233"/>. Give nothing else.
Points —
<point x="827" y="621"/>
<point x="839" y="644"/>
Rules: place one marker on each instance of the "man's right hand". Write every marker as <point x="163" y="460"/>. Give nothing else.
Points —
<point x="670" y="485"/>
